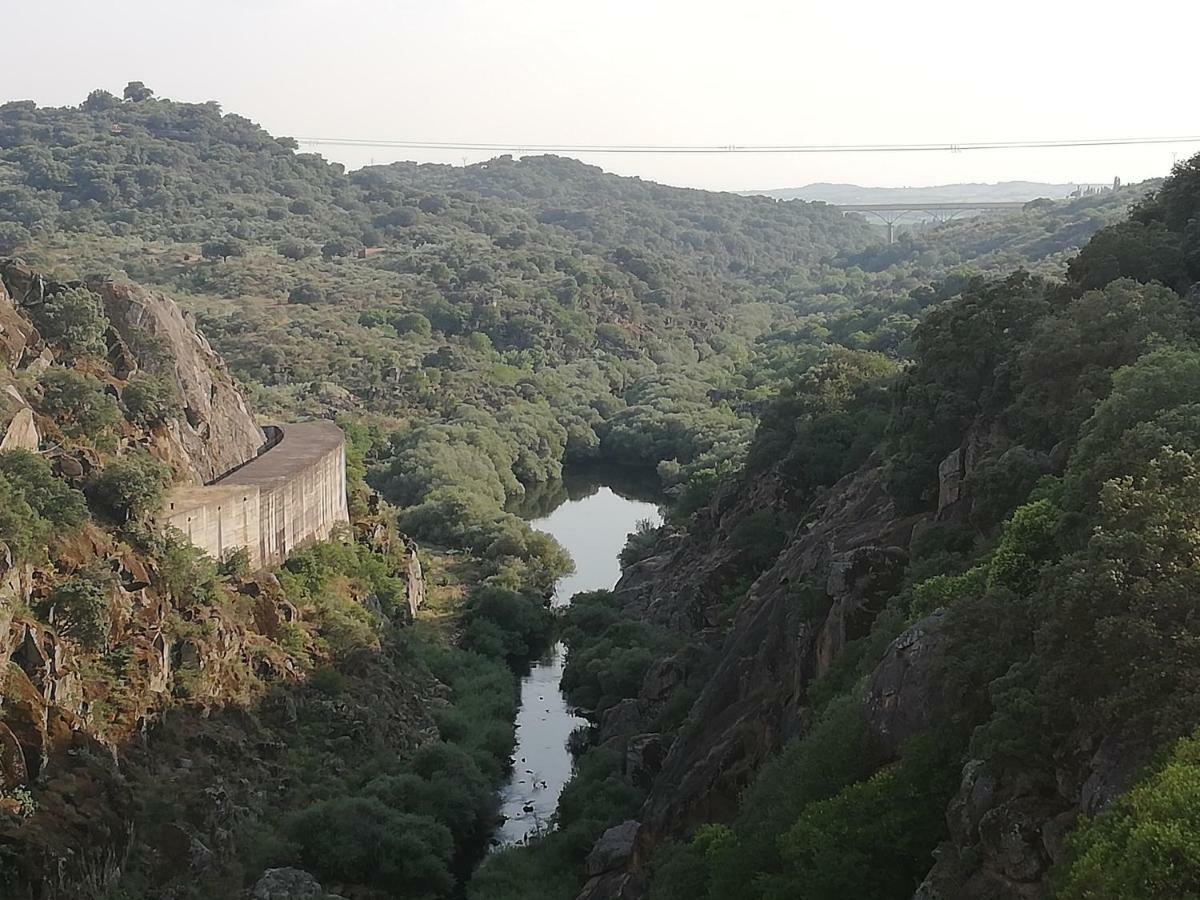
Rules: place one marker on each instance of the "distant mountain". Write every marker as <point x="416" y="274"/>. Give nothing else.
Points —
<point x="944" y="193"/>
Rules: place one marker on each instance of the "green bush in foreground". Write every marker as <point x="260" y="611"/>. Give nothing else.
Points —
<point x="1147" y="846"/>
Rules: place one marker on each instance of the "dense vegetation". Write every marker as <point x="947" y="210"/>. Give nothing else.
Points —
<point x="478" y="328"/>
<point x="1068" y="592"/>
<point x="338" y="711"/>
<point x="509" y="317"/>
<point x="1065" y="588"/>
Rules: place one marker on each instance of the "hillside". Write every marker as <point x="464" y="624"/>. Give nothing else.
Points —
<point x="174" y="724"/>
<point x="606" y="317"/>
<point x="1004" y="191"/>
<point x="936" y="638"/>
<point x="914" y="490"/>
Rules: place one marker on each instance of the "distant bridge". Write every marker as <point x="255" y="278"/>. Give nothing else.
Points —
<point x="890" y="213"/>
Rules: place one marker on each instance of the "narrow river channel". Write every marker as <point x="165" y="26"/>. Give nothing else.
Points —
<point x="592" y="522"/>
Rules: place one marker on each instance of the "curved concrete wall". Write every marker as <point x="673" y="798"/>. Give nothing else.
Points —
<point x="291" y="495"/>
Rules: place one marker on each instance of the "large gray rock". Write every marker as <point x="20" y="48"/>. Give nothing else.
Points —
<point x="755" y="694"/>
<point x="905" y="695"/>
<point x="612" y="848"/>
<point x="289" y="884"/>
<point x="217" y="432"/>
<point x="22" y="433"/>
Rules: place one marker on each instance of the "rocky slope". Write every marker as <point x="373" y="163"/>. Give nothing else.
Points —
<point x="145" y="743"/>
<point x="835" y="576"/>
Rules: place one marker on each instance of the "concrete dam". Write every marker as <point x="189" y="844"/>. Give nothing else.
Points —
<point x="292" y="494"/>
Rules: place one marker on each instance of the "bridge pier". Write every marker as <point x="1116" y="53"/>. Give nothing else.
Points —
<point x="890" y="213"/>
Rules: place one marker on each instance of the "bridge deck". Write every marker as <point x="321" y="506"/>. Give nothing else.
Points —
<point x="931" y="207"/>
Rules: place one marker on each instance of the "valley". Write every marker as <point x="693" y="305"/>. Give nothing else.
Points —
<point x="692" y="545"/>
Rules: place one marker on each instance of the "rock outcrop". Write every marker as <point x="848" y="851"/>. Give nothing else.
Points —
<point x="289" y="884"/>
<point x="904" y="697"/>
<point x="217" y="432"/>
<point x="825" y="588"/>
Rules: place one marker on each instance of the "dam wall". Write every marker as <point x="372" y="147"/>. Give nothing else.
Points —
<point x="291" y="495"/>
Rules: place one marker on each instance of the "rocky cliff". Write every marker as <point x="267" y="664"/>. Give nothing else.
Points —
<point x="144" y="740"/>
<point x="147" y="330"/>
<point x="836" y="574"/>
<point x="837" y="570"/>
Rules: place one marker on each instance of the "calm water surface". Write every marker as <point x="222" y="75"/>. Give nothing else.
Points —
<point x="592" y="523"/>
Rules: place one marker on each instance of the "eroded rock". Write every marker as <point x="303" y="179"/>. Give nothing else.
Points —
<point x="905" y="695"/>
<point x="289" y="884"/>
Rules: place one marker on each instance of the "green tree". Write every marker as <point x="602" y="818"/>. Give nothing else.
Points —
<point x="74" y="320"/>
<point x="22" y="530"/>
<point x="137" y="92"/>
<point x="1147" y="846"/>
<point x="49" y="496"/>
<point x="79" y="606"/>
<point x="79" y="405"/>
<point x="359" y="840"/>
<point x="222" y="248"/>
<point x="131" y="488"/>
<point x="307" y="293"/>
<point x="150" y="400"/>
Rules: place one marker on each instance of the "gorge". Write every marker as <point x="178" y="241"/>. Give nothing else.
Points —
<point x="592" y="524"/>
<point x="909" y="495"/>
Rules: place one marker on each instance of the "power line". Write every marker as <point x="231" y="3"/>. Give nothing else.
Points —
<point x="748" y="148"/>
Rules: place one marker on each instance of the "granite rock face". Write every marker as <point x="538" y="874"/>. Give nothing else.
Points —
<point x="828" y="580"/>
<point x="289" y="884"/>
<point x="217" y="431"/>
<point x="905" y="696"/>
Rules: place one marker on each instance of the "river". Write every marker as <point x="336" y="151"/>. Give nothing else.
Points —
<point x="591" y="520"/>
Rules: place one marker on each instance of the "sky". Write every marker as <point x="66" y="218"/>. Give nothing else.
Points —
<point x="677" y="72"/>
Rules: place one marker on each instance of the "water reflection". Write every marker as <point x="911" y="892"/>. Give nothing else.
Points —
<point x="540" y="500"/>
<point x="591" y="517"/>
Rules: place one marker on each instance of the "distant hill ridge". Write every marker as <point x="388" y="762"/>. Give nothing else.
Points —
<point x="944" y="193"/>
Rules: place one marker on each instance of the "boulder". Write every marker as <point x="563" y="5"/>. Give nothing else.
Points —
<point x="644" y="754"/>
<point x="612" y="849"/>
<point x="858" y="584"/>
<point x="1113" y="768"/>
<point x="289" y="884"/>
<point x="905" y="694"/>
<point x="24" y="715"/>
<point x="218" y="432"/>
<point x="624" y="718"/>
<point x="22" y="433"/>
<point x="950" y="479"/>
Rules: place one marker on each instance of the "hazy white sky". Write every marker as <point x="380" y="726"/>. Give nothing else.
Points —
<point x="655" y="71"/>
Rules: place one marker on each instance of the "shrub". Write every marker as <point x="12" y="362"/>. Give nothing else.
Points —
<point x="50" y="497"/>
<point x="78" y="404"/>
<point x="79" y="606"/>
<point x="296" y="249"/>
<point x="640" y="544"/>
<point x="307" y="294"/>
<point x="874" y="838"/>
<point x="235" y="563"/>
<point x="1148" y="844"/>
<point x="73" y="320"/>
<point x="500" y="622"/>
<point x="360" y="840"/>
<point x="131" y="488"/>
<point x="21" y="529"/>
<point x="412" y="323"/>
<point x="150" y="400"/>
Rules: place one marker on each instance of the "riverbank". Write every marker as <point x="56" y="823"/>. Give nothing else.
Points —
<point x="592" y="521"/>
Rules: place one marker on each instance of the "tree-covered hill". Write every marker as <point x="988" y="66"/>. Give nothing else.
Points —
<point x="492" y="321"/>
<point x="938" y="638"/>
<point x="802" y="389"/>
